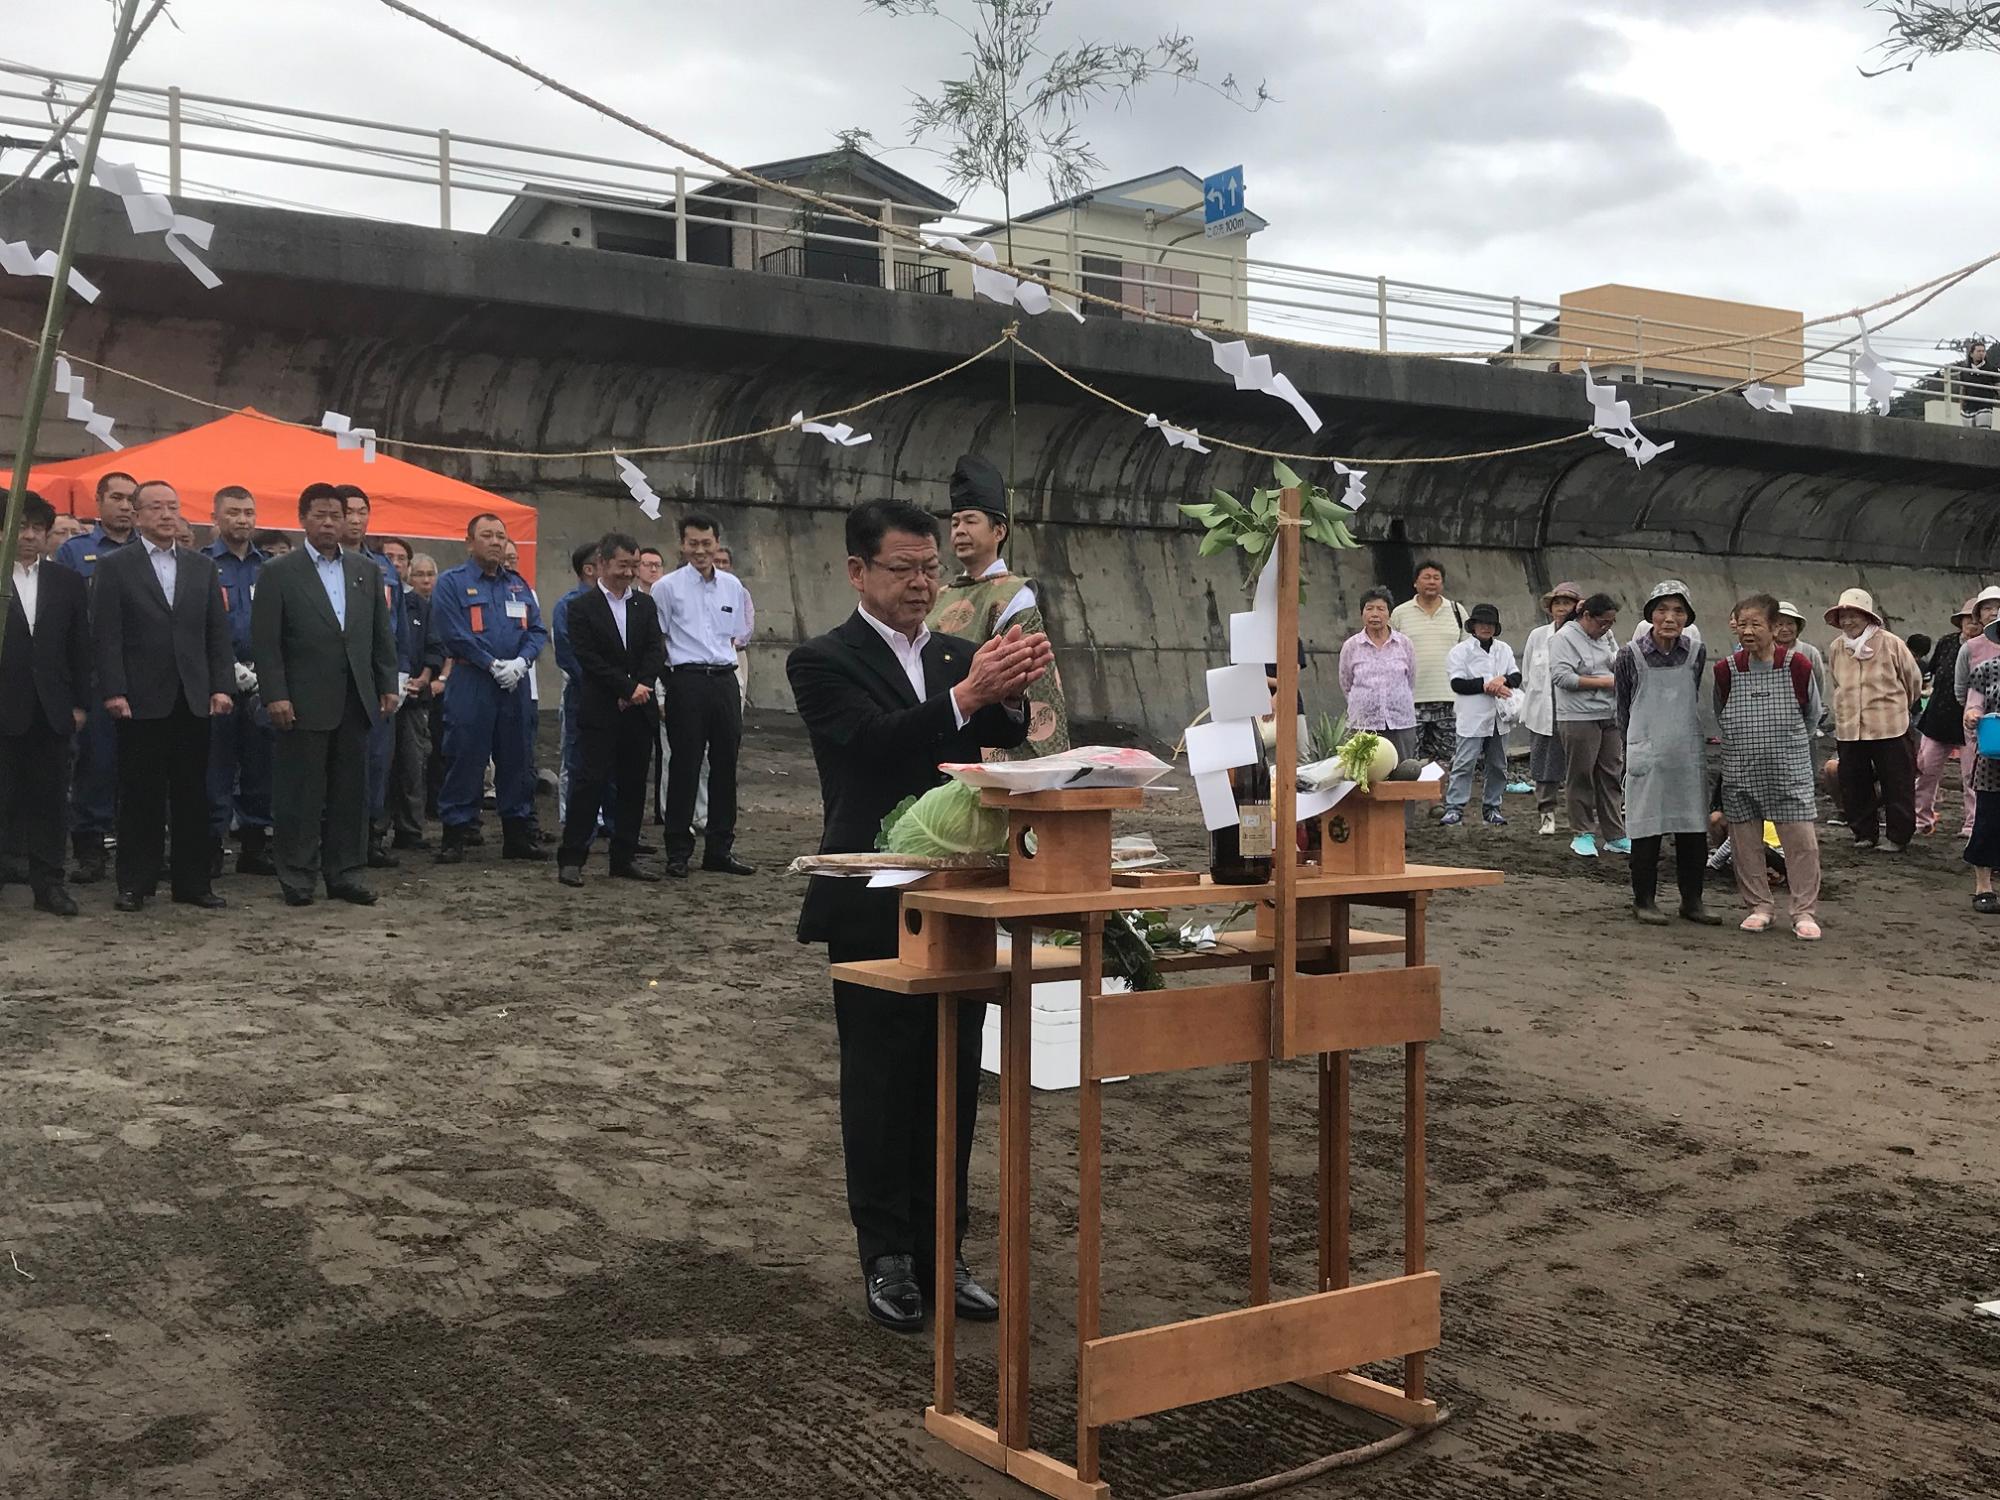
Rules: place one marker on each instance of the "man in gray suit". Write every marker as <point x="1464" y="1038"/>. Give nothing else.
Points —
<point x="160" y="633"/>
<point x="326" y="664"/>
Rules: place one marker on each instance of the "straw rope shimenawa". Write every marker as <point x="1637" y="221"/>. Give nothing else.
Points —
<point x="1009" y="334"/>
<point x="915" y="237"/>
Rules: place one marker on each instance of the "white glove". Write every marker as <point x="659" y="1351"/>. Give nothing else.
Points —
<point x="500" y="670"/>
<point x="510" y="674"/>
<point x="246" y="678"/>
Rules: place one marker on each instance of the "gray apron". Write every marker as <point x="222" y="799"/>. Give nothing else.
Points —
<point x="1665" y="766"/>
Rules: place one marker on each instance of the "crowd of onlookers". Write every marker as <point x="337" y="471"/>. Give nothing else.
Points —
<point x="1618" y="731"/>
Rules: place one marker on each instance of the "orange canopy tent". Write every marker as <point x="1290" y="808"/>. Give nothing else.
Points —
<point x="274" y="461"/>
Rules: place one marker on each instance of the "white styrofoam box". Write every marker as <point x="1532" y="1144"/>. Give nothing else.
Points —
<point x="1055" y="1041"/>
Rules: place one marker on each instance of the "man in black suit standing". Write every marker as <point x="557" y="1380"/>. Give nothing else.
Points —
<point x="164" y="665"/>
<point x="326" y="665"/>
<point x="44" y="693"/>
<point x="885" y="701"/>
<point x="614" y="633"/>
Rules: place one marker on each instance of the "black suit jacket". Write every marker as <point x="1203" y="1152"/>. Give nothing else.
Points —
<point x="611" y="667"/>
<point x="151" y="655"/>
<point x="304" y="657"/>
<point x="875" y="744"/>
<point x="53" y="664"/>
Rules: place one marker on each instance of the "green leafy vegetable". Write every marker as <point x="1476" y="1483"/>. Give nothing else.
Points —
<point x="1253" y="528"/>
<point x="945" y="820"/>
<point x="1366" y="757"/>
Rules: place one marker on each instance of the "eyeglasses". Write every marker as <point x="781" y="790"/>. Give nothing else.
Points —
<point x="904" y="572"/>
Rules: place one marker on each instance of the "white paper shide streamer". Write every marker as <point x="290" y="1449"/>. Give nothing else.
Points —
<point x="1611" y="420"/>
<point x="995" y="285"/>
<point x="16" y="259"/>
<point x="642" y="491"/>
<point x="1881" y="379"/>
<point x="1356" y="494"/>
<point x="347" y="435"/>
<point x="1178" y="437"/>
<point x="1253" y="372"/>
<point x="70" y="386"/>
<point x="1767" y="398"/>
<point x="152" y="213"/>
<point x="834" y="432"/>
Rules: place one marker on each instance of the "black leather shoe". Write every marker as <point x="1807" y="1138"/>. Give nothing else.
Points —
<point x="971" y="1300"/>
<point x="572" y="875"/>
<point x="518" y="842"/>
<point x="255" y="861"/>
<point x="379" y="857"/>
<point x="890" y="1285"/>
<point x="409" y="841"/>
<point x="90" y="865"/>
<point x="678" y="868"/>
<point x="634" y="872"/>
<point x="128" y="901"/>
<point x="206" y="900"/>
<point x="353" y="894"/>
<point x="296" y="897"/>
<point x="727" y="864"/>
<point x="56" y="901"/>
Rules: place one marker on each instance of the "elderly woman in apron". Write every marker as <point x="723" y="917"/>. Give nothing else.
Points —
<point x="1658" y="679"/>
<point x="1767" y="703"/>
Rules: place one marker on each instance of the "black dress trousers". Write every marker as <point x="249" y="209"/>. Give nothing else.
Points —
<point x="163" y="780"/>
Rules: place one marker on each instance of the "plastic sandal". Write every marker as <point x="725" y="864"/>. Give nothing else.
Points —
<point x="1757" y="921"/>
<point x="1807" y="928"/>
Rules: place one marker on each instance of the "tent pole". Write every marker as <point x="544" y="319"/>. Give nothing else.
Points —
<point x="52" y="320"/>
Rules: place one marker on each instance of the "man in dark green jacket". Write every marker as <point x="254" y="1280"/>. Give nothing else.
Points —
<point x="326" y="665"/>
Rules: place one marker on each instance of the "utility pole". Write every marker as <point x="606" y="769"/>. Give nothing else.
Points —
<point x="52" y="321"/>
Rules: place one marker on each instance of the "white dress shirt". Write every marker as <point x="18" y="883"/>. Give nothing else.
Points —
<point x="617" y="603"/>
<point x="333" y="578"/>
<point x="910" y="657"/>
<point x="702" y="617"/>
<point x="28" y="588"/>
<point x="165" y="568"/>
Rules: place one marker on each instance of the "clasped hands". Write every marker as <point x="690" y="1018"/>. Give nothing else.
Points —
<point x="1004" y="668"/>
<point x="509" y="673"/>
<point x="1496" y="687"/>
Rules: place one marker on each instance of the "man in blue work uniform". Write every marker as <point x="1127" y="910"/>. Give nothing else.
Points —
<point x="583" y="562"/>
<point x="382" y="737"/>
<point x="486" y="618"/>
<point x="94" y="792"/>
<point x="239" y="743"/>
<point x="419" y="659"/>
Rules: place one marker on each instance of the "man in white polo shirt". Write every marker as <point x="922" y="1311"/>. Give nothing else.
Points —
<point x="1434" y="626"/>
<point x="704" y="612"/>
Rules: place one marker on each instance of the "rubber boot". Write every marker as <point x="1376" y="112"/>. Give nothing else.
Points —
<point x="451" y="849"/>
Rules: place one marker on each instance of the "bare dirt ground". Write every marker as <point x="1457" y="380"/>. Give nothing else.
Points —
<point x="503" y="1190"/>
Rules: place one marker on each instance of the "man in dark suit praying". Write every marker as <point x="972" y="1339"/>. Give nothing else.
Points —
<point x="326" y="665"/>
<point x="885" y="701"/>
<point x="614" y="634"/>
<point x="160" y="632"/>
<point x="44" y="693"/>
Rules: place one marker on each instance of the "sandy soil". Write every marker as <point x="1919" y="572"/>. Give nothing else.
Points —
<point x="501" y="1190"/>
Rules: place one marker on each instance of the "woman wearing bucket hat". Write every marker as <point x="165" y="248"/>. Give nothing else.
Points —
<point x="1659" y="679"/>
<point x="1546" y="766"/>
<point x="1941" y="727"/>
<point x="1875" y="682"/>
<point x="1580" y="659"/>
<point x="1486" y="679"/>
<point x="1791" y="620"/>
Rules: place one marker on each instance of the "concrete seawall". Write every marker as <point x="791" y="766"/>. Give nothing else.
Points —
<point x="459" y="339"/>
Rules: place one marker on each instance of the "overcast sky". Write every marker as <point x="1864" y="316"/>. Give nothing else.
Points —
<point x="1720" y="147"/>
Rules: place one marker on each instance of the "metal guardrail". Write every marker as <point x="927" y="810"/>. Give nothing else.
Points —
<point x="334" y="163"/>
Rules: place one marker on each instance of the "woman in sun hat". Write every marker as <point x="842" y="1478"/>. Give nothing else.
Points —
<point x="1982" y="849"/>
<point x="1659" y="678"/>
<point x="1792" y="620"/>
<point x="1941" y="727"/>
<point x="1547" y="768"/>
<point x="1484" y="678"/>
<point x="1875" y="683"/>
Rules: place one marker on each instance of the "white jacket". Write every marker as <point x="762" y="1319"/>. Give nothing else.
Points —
<point x="1479" y="714"/>
<point x="1538" y="706"/>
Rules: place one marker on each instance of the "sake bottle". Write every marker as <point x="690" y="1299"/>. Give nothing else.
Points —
<point x="1241" y="855"/>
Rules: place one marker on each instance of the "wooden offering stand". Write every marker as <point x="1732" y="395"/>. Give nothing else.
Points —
<point x="1302" y="998"/>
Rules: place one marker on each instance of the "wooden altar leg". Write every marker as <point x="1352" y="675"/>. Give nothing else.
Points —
<point x="1413" y="1190"/>
<point x="1089" y="1188"/>
<point x="1016" y="1039"/>
<point x="944" y="1313"/>
<point x="1260" y="1173"/>
<point x="1333" y="1170"/>
<point x="1413" y="929"/>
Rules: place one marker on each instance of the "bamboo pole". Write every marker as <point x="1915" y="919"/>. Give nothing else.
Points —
<point x="1284" y="780"/>
<point x="52" y="319"/>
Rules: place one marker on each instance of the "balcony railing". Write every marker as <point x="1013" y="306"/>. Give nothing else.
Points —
<point x="213" y="146"/>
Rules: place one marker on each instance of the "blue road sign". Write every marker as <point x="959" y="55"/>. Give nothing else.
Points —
<point x="1222" y="211"/>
